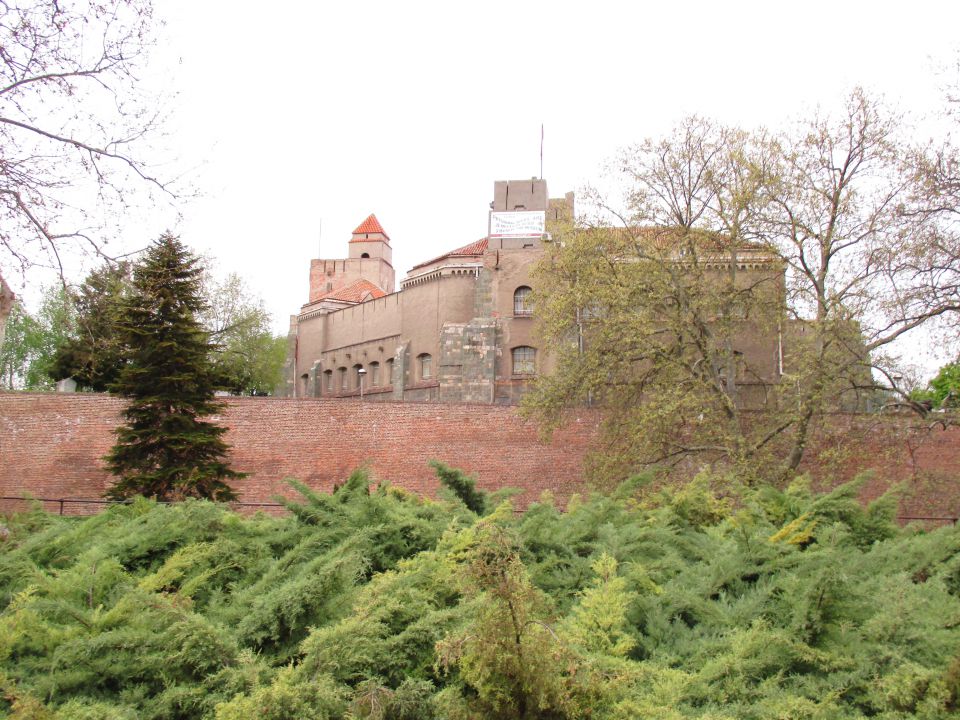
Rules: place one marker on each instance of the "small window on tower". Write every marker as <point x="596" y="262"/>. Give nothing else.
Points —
<point x="365" y="255"/>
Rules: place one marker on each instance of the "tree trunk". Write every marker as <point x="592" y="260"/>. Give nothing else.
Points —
<point x="6" y="306"/>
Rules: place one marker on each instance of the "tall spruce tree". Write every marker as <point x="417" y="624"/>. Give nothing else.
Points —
<point x="166" y="450"/>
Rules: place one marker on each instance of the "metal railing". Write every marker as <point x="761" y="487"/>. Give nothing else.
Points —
<point x="63" y="505"/>
<point x="943" y="518"/>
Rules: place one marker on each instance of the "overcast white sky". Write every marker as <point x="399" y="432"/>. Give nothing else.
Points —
<point x="294" y="114"/>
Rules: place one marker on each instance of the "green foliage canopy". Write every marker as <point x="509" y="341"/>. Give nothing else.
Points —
<point x="30" y="347"/>
<point x="738" y="269"/>
<point x="245" y="357"/>
<point x="373" y="603"/>
<point x="95" y="353"/>
<point x="944" y="389"/>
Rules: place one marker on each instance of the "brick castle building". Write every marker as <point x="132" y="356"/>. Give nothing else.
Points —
<point x="460" y="328"/>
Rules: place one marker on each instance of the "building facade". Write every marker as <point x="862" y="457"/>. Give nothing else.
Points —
<point x="460" y="328"/>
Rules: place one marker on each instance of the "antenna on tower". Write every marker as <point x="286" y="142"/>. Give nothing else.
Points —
<point x="541" y="151"/>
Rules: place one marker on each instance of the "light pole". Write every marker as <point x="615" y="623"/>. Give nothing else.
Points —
<point x="361" y="372"/>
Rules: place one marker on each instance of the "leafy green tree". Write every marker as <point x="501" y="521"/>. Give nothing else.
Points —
<point x="32" y="341"/>
<point x="825" y="239"/>
<point x="18" y="352"/>
<point x="94" y="354"/>
<point x="166" y="449"/>
<point x="246" y="357"/>
<point x="944" y="389"/>
<point x="510" y="660"/>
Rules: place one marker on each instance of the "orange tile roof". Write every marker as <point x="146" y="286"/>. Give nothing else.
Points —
<point x="474" y="249"/>
<point x="370" y="225"/>
<point x="355" y="292"/>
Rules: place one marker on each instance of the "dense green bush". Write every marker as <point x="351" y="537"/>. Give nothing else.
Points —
<point x="373" y="603"/>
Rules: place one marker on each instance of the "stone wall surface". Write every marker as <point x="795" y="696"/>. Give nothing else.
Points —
<point x="51" y="446"/>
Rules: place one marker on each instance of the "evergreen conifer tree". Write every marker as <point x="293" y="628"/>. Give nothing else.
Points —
<point x="94" y="355"/>
<point x="166" y="449"/>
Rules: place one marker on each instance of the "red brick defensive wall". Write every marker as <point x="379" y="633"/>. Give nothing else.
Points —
<point x="51" y="446"/>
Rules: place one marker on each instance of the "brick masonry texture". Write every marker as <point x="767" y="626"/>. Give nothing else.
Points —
<point x="51" y="446"/>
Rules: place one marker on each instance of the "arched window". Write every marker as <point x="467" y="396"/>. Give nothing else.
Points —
<point x="357" y="375"/>
<point x="374" y="374"/>
<point x="522" y="302"/>
<point x="328" y="381"/>
<point x="425" y="363"/>
<point x="304" y="384"/>
<point x="365" y="255"/>
<point x="343" y="379"/>
<point x="388" y="372"/>
<point x="524" y="360"/>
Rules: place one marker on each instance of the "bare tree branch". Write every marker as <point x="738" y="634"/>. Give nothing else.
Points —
<point x="74" y="127"/>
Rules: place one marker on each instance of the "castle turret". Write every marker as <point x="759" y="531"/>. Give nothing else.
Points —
<point x="371" y="241"/>
<point x="369" y="258"/>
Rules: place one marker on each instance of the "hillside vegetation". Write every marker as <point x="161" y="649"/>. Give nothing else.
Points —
<point x="373" y="603"/>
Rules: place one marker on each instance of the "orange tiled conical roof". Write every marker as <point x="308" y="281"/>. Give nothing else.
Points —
<point x="368" y="226"/>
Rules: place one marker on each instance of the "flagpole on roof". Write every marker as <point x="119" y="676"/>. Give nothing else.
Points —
<point x="541" y="151"/>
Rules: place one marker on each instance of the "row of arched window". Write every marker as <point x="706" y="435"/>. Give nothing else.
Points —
<point x="523" y="360"/>
<point x="348" y="379"/>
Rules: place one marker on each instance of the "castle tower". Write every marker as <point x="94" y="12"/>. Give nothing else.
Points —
<point x="371" y="241"/>
<point x="369" y="262"/>
<point x="518" y="214"/>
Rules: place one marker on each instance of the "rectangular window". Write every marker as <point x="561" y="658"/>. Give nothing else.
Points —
<point x="426" y="367"/>
<point x="524" y="361"/>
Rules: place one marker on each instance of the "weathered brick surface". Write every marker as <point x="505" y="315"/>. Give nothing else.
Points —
<point x="923" y="457"/>
<point x="51" y="446"/>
